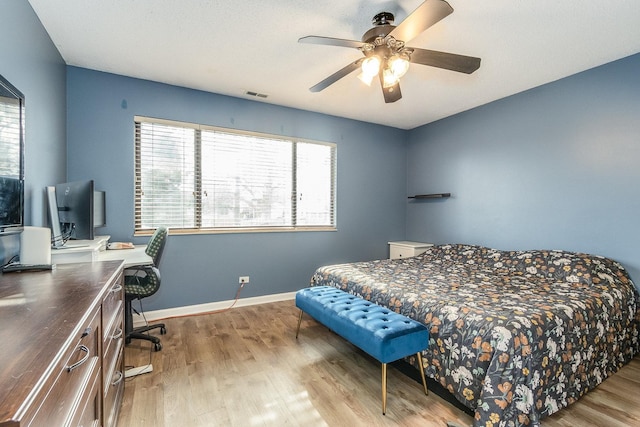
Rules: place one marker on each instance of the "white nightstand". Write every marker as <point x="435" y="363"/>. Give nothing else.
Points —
<point x="404" y="249"/>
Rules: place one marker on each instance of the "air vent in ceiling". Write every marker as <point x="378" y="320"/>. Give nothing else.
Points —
<point x="256" y="94"/>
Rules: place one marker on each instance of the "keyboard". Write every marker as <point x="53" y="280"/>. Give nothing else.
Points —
<point x="10" y="268"/>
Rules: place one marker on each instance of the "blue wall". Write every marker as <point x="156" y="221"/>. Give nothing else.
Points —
<point x="31" y="62"/>
<point x="204" y="268"/>
<point x="556" y="167"/>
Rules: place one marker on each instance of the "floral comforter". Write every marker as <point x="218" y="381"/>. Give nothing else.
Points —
<point x="514" y="335"/>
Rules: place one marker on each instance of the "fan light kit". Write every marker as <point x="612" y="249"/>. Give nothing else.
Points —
<point x="385" y="53"/>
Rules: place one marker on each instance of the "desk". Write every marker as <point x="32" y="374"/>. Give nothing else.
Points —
<point x="95" y="250"/>
<point x="79" y="250"/>
<point x="131" y="257"/>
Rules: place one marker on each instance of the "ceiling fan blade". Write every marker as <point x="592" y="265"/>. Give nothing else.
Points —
<point x="391" y="93"/>
<point x="427" y="14"/>
<point x="330" y="41"/>
<point x="336" y="76"/>
<point x="448" y="61"/>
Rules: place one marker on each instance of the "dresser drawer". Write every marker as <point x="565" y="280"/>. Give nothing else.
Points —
<point x="112" y="347"/>
<point x="114" y="389"/>
<point x="76" y="373"/>
<point x="113" y="365"/>
<point x="111" y="306"/>
<point x="89" y="411"/>
<point x="113" y="335"/>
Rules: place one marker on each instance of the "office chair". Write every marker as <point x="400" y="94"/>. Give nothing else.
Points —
<point x="143" y="281"/>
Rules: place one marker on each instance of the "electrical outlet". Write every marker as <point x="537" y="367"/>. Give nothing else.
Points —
<point x="243" y="279"/>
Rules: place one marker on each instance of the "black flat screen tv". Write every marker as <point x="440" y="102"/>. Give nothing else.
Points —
<point x="11" y="158"/>
<point x="11" y="205"/>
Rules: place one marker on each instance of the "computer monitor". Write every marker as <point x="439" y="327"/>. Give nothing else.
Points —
<point x="75" y="209"/>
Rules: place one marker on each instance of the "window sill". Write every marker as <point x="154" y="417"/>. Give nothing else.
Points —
<point x="184" y="231"/>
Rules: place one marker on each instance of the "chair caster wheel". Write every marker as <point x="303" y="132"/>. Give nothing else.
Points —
<point x="157" y="346"/>
<point x="163" y="331"/>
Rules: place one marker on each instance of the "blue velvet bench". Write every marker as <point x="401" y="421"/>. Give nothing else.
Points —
<point x="383" y="334"/>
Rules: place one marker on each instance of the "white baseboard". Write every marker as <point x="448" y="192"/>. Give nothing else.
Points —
<point x="208" y="307"/>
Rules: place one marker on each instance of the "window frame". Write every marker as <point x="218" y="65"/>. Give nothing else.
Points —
<point x="198" y="228"/>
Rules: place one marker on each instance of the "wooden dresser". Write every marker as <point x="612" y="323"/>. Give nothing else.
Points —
<point x="61" y="346"/>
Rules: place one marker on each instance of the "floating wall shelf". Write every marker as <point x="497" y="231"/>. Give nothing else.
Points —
<point x="430" y="196"/>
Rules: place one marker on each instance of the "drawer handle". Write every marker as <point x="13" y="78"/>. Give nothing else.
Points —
<point x="117" y="335"/>
<point x="80" y="362"/>
<point x="86" y="332"/>
<point x="119" y="377"/>
<point x="117" y="288"/>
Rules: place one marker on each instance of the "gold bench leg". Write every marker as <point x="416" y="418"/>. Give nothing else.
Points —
<point x="384" y="388"/>
<point x="424" y="380"/>
<point x="384" y="382"/>
<point x="299" y="321"/>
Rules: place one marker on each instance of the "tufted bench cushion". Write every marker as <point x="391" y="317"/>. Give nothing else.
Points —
<point x="380" y="332"/>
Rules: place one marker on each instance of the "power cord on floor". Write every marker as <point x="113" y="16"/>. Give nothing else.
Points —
<point x="235" y="300"/>
<point x="222" y="310"/>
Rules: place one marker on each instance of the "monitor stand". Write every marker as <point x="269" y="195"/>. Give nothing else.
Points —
<point x="79" y="250"/>
<point x="99" y="243"/>
<point x="58" y="243"/>
<point x="70" y="246"/>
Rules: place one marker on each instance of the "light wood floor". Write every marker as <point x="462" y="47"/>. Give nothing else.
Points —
<point x="244" y="367"/>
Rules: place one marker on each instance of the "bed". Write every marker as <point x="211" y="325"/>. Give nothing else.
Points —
<point x="514" y="335"/>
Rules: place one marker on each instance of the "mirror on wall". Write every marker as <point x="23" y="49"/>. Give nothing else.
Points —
<point x="11" y="131"/>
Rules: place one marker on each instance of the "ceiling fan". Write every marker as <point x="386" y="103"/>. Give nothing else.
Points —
<point x="385" y="53"/>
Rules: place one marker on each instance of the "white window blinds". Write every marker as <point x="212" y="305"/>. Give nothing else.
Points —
<point x="315" y="184"/>
<point x="194" y="177"/>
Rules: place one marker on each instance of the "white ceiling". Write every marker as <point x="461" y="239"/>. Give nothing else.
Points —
<point x="233" y="46"/>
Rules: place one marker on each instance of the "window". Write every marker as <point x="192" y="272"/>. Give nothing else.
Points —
<point x="191" y="177"/>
